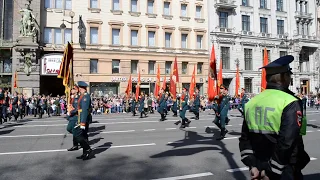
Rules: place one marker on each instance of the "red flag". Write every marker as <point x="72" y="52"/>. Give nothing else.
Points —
<point x="193" y="82"/>
<point x="263" y="74"/>
<point x="157" y="85"/>
<point x="212" y="76"/>
<point x="173" y="87"/>
<point x="138" y="86"/>
<point x="164" y="83"/>
<point x="15" y="84"/>
<point x="129" y="87"/>
<point x="220" y="80"/>
<point x="237" y="82"/>
<point x="175" y="70"/>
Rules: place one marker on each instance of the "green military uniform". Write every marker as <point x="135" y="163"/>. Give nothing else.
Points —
<point x="183" y="109"/>
<point x="196" y="106"/>
<point x="222" y="115"/>
<point x="271" y="138"/>
<point x="73" y="119"/>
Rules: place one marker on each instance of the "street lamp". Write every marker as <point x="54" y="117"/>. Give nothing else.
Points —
<point x="63" y="26"/>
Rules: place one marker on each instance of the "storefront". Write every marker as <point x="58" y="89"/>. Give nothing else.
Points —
<point x="100" y="89"/>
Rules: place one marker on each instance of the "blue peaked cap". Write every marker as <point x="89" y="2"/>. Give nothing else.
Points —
<point x="82" y="84"/>
<point x="280" y="65"/>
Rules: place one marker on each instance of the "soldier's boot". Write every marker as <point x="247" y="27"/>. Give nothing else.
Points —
<point x="145" y="114"/>
<point x="75" y="145"/>
<point x="162" y="117"/>
<point x="218" y="125"/>
<point x="87" y="154"/>
<point x="224" y="131"/>
<point x="227" y="121"/>
<point x="141" y="115"/>
<point x="177" y="123"/>
<point x="197" y="116"/>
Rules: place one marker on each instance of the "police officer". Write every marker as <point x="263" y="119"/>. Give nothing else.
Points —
<point x="196" y="104"/>
<point x="162" y="105"/>
<point x="84" y="118"/>
<point x="222" y="111"/>
<point x="270" y="143"/>
<point x="73" y="116"/>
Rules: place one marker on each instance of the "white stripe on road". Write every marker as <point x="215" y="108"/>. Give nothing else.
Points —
<point x="309" y="131"/>
<point x="191" y="127"/>
<point x="187" y="176"/>
<point x="171" y="128"/>
<point x="35" y="135"/>
<point x="110" y="132"/>
<point x="236" y="137"/>
<point x="229" y="125"/>
<point x="246" y="168"/>
<point x="65" y="150"/>
<point x="149" y="130"/>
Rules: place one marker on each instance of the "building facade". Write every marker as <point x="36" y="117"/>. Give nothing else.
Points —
<point x="241" y="29"/>
<point x="114" y="39"/>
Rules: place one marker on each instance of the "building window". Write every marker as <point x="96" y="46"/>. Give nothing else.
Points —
<point x="48" y="4"/>
<point x="166" y="8"/>
<point x="67" y="36"/>
<point x="59" y="4"/>
<point x="199" y="41"/>
<point x="116" y="36"/>
<point x="93" y="35"/>
<point x="47" y="36"/>
<point x="199" y="67"/>
<point x="93" y="3"/>
<point x="245" y="23"/>
<point x="280" y="26"/>
<point x="134" y="37"/>
<point x="198" y="11"/>
<point x="115" y="66"/>
<point x="184" y="41"/>
<point x="134" y="5"/>
<point x="93" y="66"/>
<point x="134" y="67"/>
<point x="57" y="36"/>
<point x="225" y="56"/>
<point x="268" y="52"/>
<point x="168" y="67"/>
<point x="184" y="67"/>
<point x="168" y="39"/>
<point x="279" y="5"/>
<point x="283" y="53"/>
<point x="248" y="59"/>
<point x="264" y="25"/>
<point x="151" y="67"/>
<point x="183" y="10"/>
<point x="116" y="5"/>
<point x="248" y="85"/>
<point x="263" y="4"/>
<point x="151" y="38"/>
<point x="7" y="66"/>
<point x="245" y="3"/>
<point x="6" y="20"/>
<point x="223" y="19"/>
<point x="68" y="4"/>
<point x="150" y="6"/>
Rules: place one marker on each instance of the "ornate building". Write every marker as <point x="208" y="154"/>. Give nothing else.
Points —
<point x="241" y="29"/>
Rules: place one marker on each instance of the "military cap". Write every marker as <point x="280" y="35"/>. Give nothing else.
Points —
<point x="82" y="84"/>
<point x="280" y="65"/>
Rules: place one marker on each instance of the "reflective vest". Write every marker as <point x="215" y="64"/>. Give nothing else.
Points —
<point x="263" y="112"/>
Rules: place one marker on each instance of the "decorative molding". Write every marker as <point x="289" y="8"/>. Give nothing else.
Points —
<point x="200" y="30"/>
<point x="94" y="10"/>
<point x="92" y="21"/>
<point x="168" y="27"/>
<point x="135" y="14"/>
<point x="116" y="23"/>
<point x="151" y="15"/>
<point x="184" y="2"/>
<point x="152" y="26"/>
<point x="184" y="29"/>
<point x="116" y="12"/>
<point x="135" y="25"/>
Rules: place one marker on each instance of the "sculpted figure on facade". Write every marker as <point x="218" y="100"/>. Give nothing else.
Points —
<point x="28" y="22"/>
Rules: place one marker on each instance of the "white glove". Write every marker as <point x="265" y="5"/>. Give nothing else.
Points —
<point x="82" y="127"/>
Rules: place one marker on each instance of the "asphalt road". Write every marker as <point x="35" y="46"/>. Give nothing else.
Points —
<point x="127" y="147"/>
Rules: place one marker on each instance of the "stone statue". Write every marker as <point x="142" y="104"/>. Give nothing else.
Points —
<point x="28" y="22"/>
<point x="27" y="64"/>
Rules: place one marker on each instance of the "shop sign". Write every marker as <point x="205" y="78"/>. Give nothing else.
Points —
<point x="134" y="79"/>
<point x="50" y="64"/>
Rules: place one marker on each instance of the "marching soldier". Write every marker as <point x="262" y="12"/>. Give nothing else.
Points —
<point x="73" y="116"/>
<point x="174" y="107"/>
<point x="133" y="105"/>
<point x="196" y="104"/>
<point x="244" y="100"/>
<point x="222" y="111"/>
<point x="141" y="105"/>
<point x="84" y="118"/>
<point x="162" y="105"/>
<point x="183" y="109"/>
<point x="271" y="144"/>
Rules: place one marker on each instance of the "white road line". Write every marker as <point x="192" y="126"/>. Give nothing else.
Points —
<point x="240" y="124"/>
<point x="43" y="125"/>
<point x="312" y="120"/>
<point x="232" y="137"/>
<point x="187" y="176"/>
<point x="309" y="131"/>
<point x="110" y="132"/>
<point x="246" y="168"/>
<point x="209" y="126"/>
<point x="149" y="130"/>
<point x="319" y="130"/>
<point x="65" y="150"/>
<point x="35" y="135"/>
<point x="202" y="140"/>
<point x="191" y="127"/>
<point x="229" y="125"/>
<point x="171" y="128"/>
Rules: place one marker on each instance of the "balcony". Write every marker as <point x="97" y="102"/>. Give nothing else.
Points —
<point x="225" y="4"/>
<point x="225" y="30"/>
<point x="305" y="37"/>
<point x="303" y="15"/>
<point x="248" y="33"/>
<point x="265" y="35"/>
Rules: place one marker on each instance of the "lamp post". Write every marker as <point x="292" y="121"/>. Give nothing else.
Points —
<point x="63" y="26"/>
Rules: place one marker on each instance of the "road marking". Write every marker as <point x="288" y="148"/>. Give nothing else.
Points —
<point x="149" y="130"/>
<point x="209" y="126"/>
<point x="187" y="176"/>
<point x="171" y="128"/>
<point x="238" y="169"/>
<point x="309" y="131"/>
<point x="202" y="140"/>
<point x="240" y="124"/>
<point x="229" y="125"/>
<point x="65" y="150"/>
<point x="191" y="127"/>
<point x="50" y="125"/>
<point x="232" y="137"/>
<point x="110" y="132"/>
<point x="246" y="168"/>
<point x="313" y="120"/>
<point x="38" y="135"/>
<point x="319" y="130"/>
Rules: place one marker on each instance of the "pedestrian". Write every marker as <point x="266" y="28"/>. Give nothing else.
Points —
<point x="270" y="143"/>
